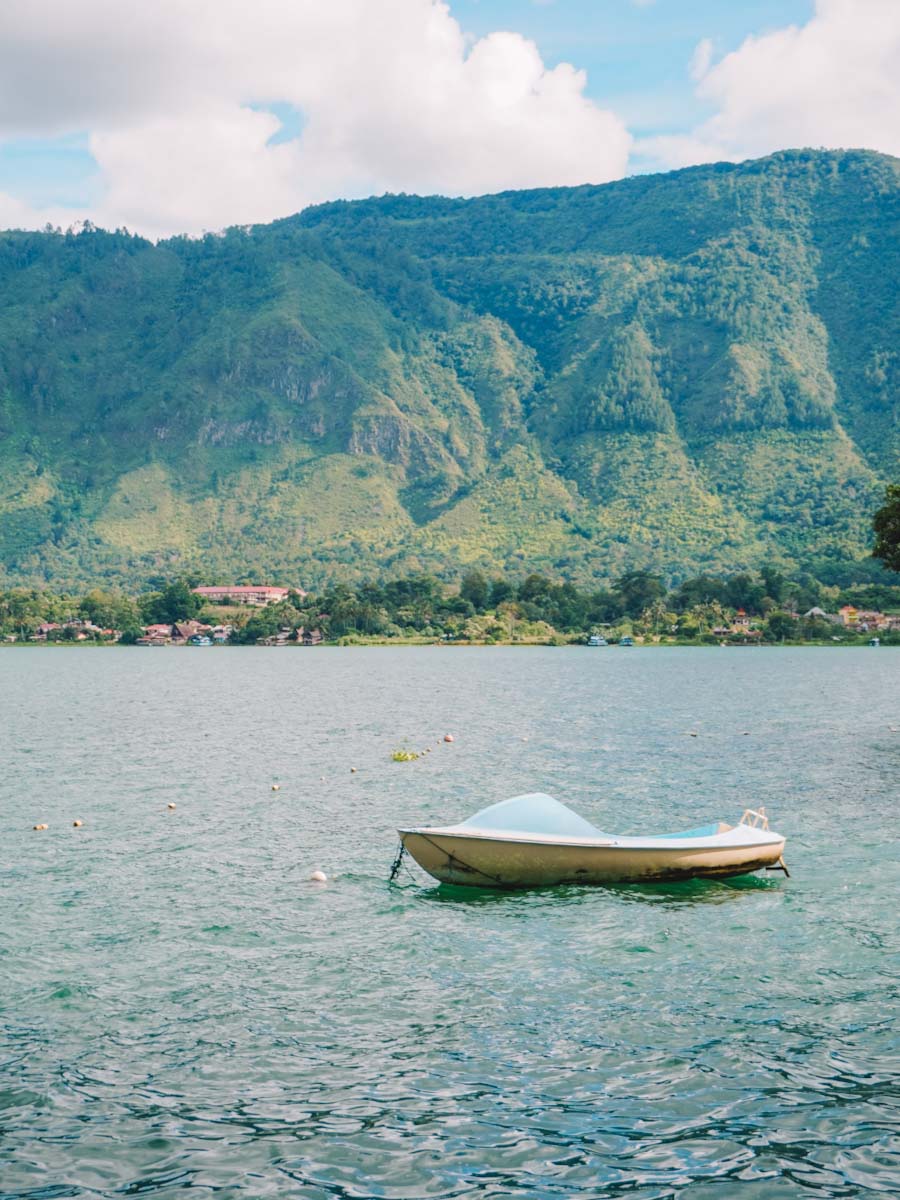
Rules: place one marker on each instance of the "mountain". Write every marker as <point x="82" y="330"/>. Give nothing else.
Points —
<point x="696" y="371"/>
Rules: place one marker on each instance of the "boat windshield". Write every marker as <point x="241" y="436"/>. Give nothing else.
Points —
<point x="535" y="812"/>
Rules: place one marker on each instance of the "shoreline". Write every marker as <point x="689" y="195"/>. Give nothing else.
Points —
<point x="397" y="643"/>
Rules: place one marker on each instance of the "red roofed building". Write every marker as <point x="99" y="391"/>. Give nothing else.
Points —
<point x="259" y="595"/>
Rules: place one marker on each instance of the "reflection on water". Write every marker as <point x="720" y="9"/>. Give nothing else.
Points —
<point x="183" y="1009"/>
<point x="691" y="891"/>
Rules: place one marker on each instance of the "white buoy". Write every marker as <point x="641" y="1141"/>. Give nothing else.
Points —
<point x="170" y="804"/>
<point x="353" y="770"/>
<point x="77" y="824"/>
<point x="318" y="877"/>
<point x="40" y="826"/>
<point x="276" y="787"/>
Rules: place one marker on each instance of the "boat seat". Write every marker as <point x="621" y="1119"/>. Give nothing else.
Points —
<point x="701" y="831"/>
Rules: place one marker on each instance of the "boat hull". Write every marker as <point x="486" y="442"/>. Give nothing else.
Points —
<point x="473" y="861"/>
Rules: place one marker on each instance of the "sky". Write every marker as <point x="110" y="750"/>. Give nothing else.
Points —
<point x="182" y="116"/>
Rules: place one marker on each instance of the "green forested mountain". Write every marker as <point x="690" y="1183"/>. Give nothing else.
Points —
<point x="691" y="372"/>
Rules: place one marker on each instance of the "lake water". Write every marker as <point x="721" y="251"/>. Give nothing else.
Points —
<point x="183" y="1011"/>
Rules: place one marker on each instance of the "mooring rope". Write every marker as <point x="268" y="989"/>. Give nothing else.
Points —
<point x="397" y="863"/>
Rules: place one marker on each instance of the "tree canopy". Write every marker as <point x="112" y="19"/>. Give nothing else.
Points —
<point x="886" y="524"/>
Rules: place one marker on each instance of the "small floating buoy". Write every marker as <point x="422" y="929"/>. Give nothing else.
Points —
<point x="171" y="804"/>
<point x="448" y="737"/>
<point x="318" y="877"/>
<point x="40" y="826"/>
<point x="321" y="779"/>
<point x="77" y="824"/>
<point x="353" y="770"/>
<point x="276" y="787"/>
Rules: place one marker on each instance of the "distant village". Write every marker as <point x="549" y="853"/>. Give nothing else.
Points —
<point x="190" y="632"/>
<point x="741" y="628"/>
<point x="853" y="620"/>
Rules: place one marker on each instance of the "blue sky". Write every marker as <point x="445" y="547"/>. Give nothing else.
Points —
<point x="181" y="117"/>
<point x="636" y="54"/>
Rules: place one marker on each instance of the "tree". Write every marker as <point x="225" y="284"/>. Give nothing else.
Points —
<point x="703" y="589"/>
<point x="773" y="581"/>
<point x="657" y="616"/>
<point x="534" y="588"/>
<point x="476" y="589"/>
<point x="501" y="590"/>
<point x="638" y="590"/>
<point x="109" y="610"/>
<point x="780" y="626"/>
<point x="262" y="625"/>
<point x="886" y="524"/>
<point x="176" y="602"/>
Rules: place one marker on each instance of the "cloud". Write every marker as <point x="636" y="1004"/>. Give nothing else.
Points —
<point x="834" y="82"/>
<point x="701" y="58"/>
<point x="177" y="99"/>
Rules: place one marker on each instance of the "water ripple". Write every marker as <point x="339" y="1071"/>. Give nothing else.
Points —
<point x="182" y="1012"/>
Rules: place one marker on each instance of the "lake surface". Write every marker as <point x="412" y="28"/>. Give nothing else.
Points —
<point x="183" y="1011"/>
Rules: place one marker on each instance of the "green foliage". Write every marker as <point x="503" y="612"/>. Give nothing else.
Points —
<point x="532" y="609"/>
<point x="639" y="590"/>
<point x="476" y="589"/>
<point x="693" y="373"/>
<point x="176" y="602"/>
<point x="780" y="626"/>
<point x="110" y="610"/>
<point x="886" y="524"/>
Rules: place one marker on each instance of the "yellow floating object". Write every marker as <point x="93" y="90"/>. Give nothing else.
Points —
<point x="40" y="826"/>
<point x="404" y="756"/>
<point x="78" y="824"/>
<point x="276" y="787"/>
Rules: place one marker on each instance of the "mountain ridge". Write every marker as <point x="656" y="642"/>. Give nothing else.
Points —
<point x="692" y="371"/>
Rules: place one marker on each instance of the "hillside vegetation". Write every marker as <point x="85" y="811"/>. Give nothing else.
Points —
<point x="684" y="373"/>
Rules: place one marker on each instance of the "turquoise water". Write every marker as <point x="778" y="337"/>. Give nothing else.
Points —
<point x="183" y="1011"/>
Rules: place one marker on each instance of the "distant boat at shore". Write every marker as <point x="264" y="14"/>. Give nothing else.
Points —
<point x="596" y="640"/>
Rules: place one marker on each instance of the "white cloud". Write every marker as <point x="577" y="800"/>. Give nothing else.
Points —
<point x="701" y="59"/>
<point x="834" y="82"/>
<point x="393" y="96"/>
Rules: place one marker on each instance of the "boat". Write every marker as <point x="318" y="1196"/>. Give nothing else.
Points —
<point x="596" y="640"/>
<point x="626" y="641"/>
<point x="535" y="841"/>
<point x="200" y="639"/>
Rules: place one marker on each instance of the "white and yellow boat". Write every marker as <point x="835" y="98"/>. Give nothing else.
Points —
<point x="534" y="841"/>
